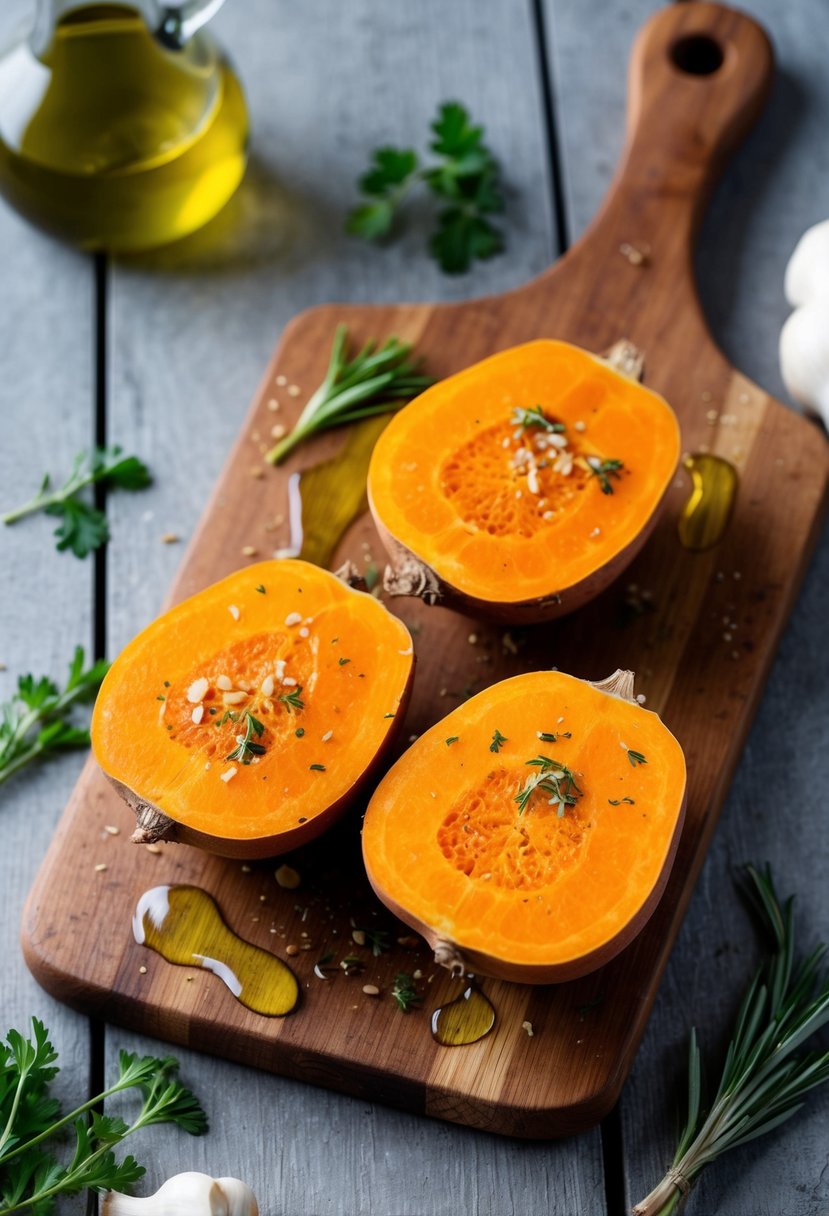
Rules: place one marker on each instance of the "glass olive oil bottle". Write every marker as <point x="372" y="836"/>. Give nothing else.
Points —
<point x="122" y="127"/>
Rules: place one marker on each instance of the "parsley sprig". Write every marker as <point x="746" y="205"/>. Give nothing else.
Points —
<point x="554" y="779"/>
<point x="765" y="1076"/>
<point x="465" y="180"/>
<point x="247" y="747"/>
<point x="35" y="721"/>
<point x="603" y="470"/>
<point x="83" y="527"/>
<point x="536" y="417"/>
<point x="377" y="380"/>
<point x="31" y="1176"/>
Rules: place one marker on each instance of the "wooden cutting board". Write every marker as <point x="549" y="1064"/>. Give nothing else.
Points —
<point x="700" y="629"/>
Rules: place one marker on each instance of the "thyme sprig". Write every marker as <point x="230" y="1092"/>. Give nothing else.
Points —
<point x="405" y="993"/>
<point x="377" y="380"/>
<point x="247" y="746"/>
<point x="764" y="1078"/>
<point x="498" y="741"/>
<point x="553" y="778"/>
<point x="293" y="700"/>
<point x="604" y="470"/>
<point x="536" y="417"/>
<point x="35" y="721"/>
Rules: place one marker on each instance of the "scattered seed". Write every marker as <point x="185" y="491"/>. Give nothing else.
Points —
<point x="371" y="990"/>
<point x="197" y="690"/>
<point x="234" y="611"/>
<point x="409" y="942"/>
<point x="579" y="426"/>
<point x="101" y="866"/>
<point x="153" y="848"/>
<point x="472" y="639"/>
<point x="257" y="473"/>
<point x="528" y="1026"/>
<point x="287" y="877"/>
<point x="224" y="683"/>
<point x="273" y="405"/>
<point x="170" y="538"/>
<point x="112" y="830"/>
<point x="197" y="714"/>
<point x="293" y="618"/>
<point x="293" y="390"/>
<point x="292" y="951"/>
<point x="281" y="381"/>
<point x="358" y="936"/>
<point x="279" y="431"/>
<point x="229" y="773"/>
<point x="248" y="551"/>
<point x="329" y="734"/>
<point x="266" y="687"/>
<point x="234" y="698"/>
<point x="142" y="970"/>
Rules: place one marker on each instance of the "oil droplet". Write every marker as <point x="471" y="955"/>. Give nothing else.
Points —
<point x="465" y="1020"/>
<point x="184" y="925"/>
<point x="705" y="516"/>
<point x="324" y="500"/>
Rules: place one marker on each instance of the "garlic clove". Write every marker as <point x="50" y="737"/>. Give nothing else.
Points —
<point x="804" y="356"/>
<point x="241" y="1200"/>
<point x="189" y="1194"/>
<point x="807" y="272"/>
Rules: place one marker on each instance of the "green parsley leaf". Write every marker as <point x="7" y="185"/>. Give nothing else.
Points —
<point x="498" y="741"/>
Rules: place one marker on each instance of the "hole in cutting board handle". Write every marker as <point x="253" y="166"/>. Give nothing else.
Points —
<point x="697" y="55"/>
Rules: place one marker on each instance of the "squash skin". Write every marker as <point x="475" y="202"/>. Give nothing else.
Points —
<point x="433" y="569"/>
<point x="337" y="608"/>
<point x="459" y="943"/>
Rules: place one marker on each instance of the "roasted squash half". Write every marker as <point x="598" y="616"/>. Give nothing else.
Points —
<point x="519" y="488"/>
<point x="529" y="834"/>
<point x="246" y="719"/>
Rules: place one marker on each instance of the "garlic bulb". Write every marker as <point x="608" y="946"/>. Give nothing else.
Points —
<point x="804" y="340"/>
<point x="191" y="1193"/>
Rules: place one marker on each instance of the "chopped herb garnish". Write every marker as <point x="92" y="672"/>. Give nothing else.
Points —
<point x="292" y="700"/>
<point x="554" y="779"/>
<point x="553" y="737"/>
<point x="536" y="417"/>
<point x="299" y="732"/>
<point x="352" y="963"/>
<point x="161" y="697"/>
<point x="334" y="641"/>
<point x="377" y="380"/>
<point x="166" y="683"/>
<point x="378" y="939"/>
<point x="344" y="661"/>
<point x="636" y="758"/>
<point x="228" y="715"/>
<point x="388" y="715"/>
<point x="452" y="739"/>
<point x="498" y="741"/>
<point x="604" y="470"/>
<point x="619" y="801"/>
<point x="318" y="768"/>
<point x="404" y="992"/>
<point x="261" y="589"/>
<point x="247" y="747"/>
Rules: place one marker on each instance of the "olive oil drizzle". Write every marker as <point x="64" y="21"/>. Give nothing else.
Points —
<point x="705" y="516"/>
<point x="467" y="1019"/>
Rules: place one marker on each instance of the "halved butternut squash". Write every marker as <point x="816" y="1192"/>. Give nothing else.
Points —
<point x="519" y="488"/>
<point x="529" y="834"/>
<point x="247" y="718"/>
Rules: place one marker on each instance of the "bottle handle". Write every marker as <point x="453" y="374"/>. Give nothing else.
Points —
<point x="176" y="24"/>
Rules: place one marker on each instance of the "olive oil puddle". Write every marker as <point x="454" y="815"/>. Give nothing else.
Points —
<point x="324" y="500"/>
<point x="183" y="924"/>
<point x="467" y="1019"/>
<point x="705" y="516"/>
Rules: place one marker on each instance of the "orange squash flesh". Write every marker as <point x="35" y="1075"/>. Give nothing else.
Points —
<point x="531" y="896"/>
<point x="501" y="520"/>
<point x="323" y="669"/>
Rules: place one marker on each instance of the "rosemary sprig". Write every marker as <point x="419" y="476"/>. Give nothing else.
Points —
<point x="763" y="1081"/>
<point x="604" y="470"/>
<point x="35" y="721"/>
<point x="553" y="778"/>
<point x="378" y="380"/>
<point x="536" y="417"/>
<point x="247" y="747"/>
<point x="404" y="992"/>
<point x="549" y="736"/>
<point x="635" y="757"/>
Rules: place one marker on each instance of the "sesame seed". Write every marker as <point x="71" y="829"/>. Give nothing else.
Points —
<point x="273" y="405"/>
<point x="281" y="381"/>
<point x="293" y="390"/>
<point x="596" y="532"/>
<point x="293" y="618"/>
<point x="229" y="774"/>
<point x="197" y="714"/>
<point x="278" y="431"/>
<point x="112" y="830"/>
<point x="224" y="683"/>
<point x="288" y="682"/>
<point x="207" y="766"/>
<point x="234" y="611"/>
<point x="257" y="472"/>
<point x="101" y="866"/>
<point x="579" y="426"/>
<point x="248" y="551"/>
<point x="169" y="538"/>
<point x="329" y="734"/>
<point x="472" y="639"/>
<point x="142" y="970"/>
<point x="197" y="690"/>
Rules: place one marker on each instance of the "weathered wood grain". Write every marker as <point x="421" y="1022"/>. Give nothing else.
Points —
<point x="191" y="335"/>
<point x="778" y="184"/>
<point x="47" y="408"/>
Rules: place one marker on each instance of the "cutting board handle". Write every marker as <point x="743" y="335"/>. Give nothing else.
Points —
<point x="699" y="77"/>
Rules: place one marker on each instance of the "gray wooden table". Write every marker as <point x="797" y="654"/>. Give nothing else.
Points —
<point x="162" y="355"/>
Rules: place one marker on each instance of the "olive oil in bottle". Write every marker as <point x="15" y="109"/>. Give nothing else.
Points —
<point x="114" y="136"/>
